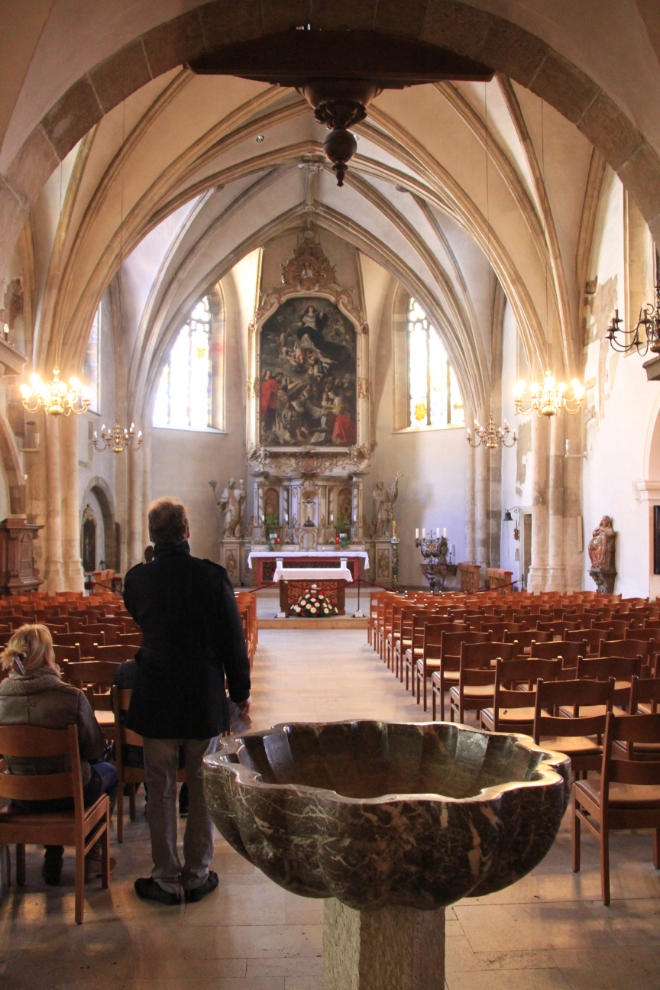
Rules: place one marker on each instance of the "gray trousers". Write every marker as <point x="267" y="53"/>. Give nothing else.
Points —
<point x="161" y="761"/>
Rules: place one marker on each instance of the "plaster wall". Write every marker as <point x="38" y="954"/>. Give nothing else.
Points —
<point x="432" y="489"/>
<point x="624" y="405"/>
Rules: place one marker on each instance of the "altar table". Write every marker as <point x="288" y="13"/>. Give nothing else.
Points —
<point x="265" y="563"/>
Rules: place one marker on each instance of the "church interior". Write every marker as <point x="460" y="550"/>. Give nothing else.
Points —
<point x="372" y="288"/>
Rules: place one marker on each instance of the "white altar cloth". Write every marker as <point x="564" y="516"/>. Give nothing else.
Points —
<point x="293" y="554"/>
<point x="312" y="573"/>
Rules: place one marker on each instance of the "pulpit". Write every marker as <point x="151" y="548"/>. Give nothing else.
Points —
<point x="17" y="571"/>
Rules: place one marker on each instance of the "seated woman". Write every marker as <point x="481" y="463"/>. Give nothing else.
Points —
<point x="34" y="694"/>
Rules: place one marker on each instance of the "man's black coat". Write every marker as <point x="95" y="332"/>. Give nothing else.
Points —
<point x="193" y="636"/>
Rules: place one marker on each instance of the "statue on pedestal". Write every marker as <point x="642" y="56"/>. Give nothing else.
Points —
<point x="384" y="500"/>
<point x="232" y="504"/>
<point x="602" y="548"/>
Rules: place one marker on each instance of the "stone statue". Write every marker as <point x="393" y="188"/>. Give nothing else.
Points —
<point x="384" y="500"/>
<point x="601" y="549"/>
<point x="232" y="503"/>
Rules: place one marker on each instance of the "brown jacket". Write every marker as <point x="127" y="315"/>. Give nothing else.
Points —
<point x="41" y="698"/>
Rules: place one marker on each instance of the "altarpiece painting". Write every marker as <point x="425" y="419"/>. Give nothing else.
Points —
<point x="307" y="375"/>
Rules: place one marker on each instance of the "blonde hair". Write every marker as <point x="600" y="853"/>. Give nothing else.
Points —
<point x="32" y="646"/>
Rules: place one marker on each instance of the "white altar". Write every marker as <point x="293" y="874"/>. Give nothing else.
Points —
<point x="308" y="565"/>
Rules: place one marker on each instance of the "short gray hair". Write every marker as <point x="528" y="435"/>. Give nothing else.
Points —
<point x="168" y="521"/>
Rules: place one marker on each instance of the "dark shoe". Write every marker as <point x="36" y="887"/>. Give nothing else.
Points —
<point x="149" y="890"/>
<point x="51" y="871"/>
<point x="197" y="893"/>
<point x="94" y="867"/>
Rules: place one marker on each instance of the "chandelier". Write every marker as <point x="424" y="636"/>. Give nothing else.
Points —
<point x="491" y="436"/>
<point x="55" y="397"/>
<point x="548" y="398"/>
<point x="649" y="319"/>
<point x="117" y="440"/>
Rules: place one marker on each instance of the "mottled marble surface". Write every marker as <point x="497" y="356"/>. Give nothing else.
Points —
<point x="383" y="813"/>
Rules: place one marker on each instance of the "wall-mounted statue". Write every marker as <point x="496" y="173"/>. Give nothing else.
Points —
<point x="602" y="551"/>
<point x="384" y="499"/>
<point x="232" y="504"/>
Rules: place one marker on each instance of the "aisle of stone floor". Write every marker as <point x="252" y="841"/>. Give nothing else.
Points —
<point x="547" y="931"/>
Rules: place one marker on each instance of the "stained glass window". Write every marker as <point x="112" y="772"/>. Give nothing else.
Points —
<point x="184" y="394"/>
<point x="435" y="399"/>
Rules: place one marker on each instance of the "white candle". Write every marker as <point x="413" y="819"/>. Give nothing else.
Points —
<point x="423" y="534"/>
<point x="416" y="534"/>
<point x="444" y="533"/>
<point x="437" y="534"/>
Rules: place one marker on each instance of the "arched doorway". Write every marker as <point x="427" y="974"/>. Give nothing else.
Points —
<point x="98" y="515"/>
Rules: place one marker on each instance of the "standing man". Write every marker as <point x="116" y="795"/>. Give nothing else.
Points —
<point x="192" y="639"/>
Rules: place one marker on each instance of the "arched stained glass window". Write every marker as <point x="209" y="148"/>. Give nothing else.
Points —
<point x="184" y="399"/>
<point x="434" y="397"/>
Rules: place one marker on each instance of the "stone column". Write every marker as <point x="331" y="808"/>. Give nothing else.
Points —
<point x="135" y="481"/>
<point x="573" y="535"/>
<point x="145" y="457"/>
<point x="556" y="580"/>
<point x="538" y="571"/>
<point x="54" y="565"/>
<point x="397" y="948"/>
<point x="74" y="576"/>
<point x="470" y="545"/>
<point x="482" y="506"/>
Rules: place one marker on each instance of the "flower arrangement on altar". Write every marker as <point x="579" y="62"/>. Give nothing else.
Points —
<point x="314" y="605"/>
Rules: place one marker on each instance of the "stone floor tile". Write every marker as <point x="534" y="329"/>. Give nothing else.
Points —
<point x="618" y="968"/>
<point x="192" y="983"/>
<point x="520" y="979"/>
<point x="506" y="927"/>
<point x="288" y="966"/>
<point x="303" y="910"/>
<point x="303" y="983"/>
<point x="630" y="921"/>
<point x="259" y="941"/>
<point x="239" y="904"/>
<point x="460" y="958"/>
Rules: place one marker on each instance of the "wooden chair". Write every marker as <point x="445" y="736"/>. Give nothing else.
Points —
<point x="560" y="649"/>
<point x="614" y="628"/>
<point x="404" y="639"/>
<point x="592" y="637"/>
<point x="557" y="627"/>
<point x="81" y="828"/>
<point x="627" y="795"/>
<point x="514" y="706"/>
<point x="623" y="669"/>
<point x="116" y="653"/>
<point x="631" y="648"/>
<point x="127" y="775"/>
<point x="429" y="660"/>
<point x="85" y="640"/>
<point x="95" y="677"/>
<point x="130" y="638"/>
<point x="526" y="641"/>
<point x="110" y="631"/>
<point x="374" y="599"/>
<point x="448" y="666"/>
<point x="476" y="677"/>
<point x="497" y="630"/>
<point x="578" y="736"/>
